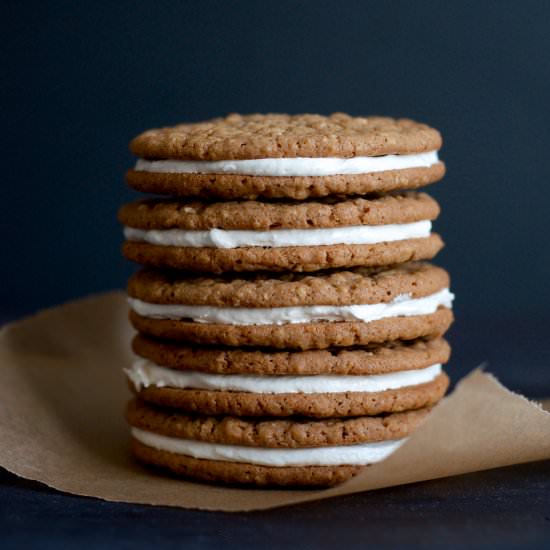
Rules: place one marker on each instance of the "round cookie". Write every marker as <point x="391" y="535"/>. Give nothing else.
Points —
<point x="252" y="235"/>
<point x="288" y="433"/>
<point x="263" y="216"/>
<point x="376" y="359"/>
<point x="259" y="290"/>
<point x="316" y="405"/>
<point x="281" y="135"/>
<point x="272" y="136"/>
<point x="220" y="471"/>
<point x="303" y="258"/>
<point x="283" y="311"/>
<point x="236" y="186"/>
<point x="267" y="434"/>
<point x="319" y="335"/>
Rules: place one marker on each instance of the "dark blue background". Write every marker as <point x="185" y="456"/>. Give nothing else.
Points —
<point x="81" y="78"/>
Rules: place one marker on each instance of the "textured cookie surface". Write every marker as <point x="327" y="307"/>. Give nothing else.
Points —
<point x="317" y="405"/>
<point x="273" y="432"/>
<point x="234" y="186"/>
<point x="355" y="286"/>
<point x="289" y="258"/>
<point x="218" y="471"/>
<point x="280" y="135"/>
<point x="377" y="359"/>
<point x="320" y="335"/>
<point x="263" y="216"/>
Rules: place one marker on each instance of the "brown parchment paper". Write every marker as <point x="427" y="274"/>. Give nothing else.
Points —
<point x="62" y="397"/>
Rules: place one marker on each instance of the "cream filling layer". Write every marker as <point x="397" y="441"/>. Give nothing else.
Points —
<point x="359" y="454"/>
<point x="144" y="373"/>
<point x="300" y="166"/>
<point x="402" y="305"/>
<point x="232" y="238"/>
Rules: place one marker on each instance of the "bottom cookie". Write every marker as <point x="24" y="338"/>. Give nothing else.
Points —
<point x="219" y="471"/>
<point x="262" y="452"/>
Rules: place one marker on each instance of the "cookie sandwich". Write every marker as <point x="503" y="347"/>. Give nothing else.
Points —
<point x="289" y="325"/>
<point x="309" y="235"/>
<point x="315" y="311"/>
<point x="367" y="380"/>
<point x="278" y="155"/>
<point x="236" y="450"/>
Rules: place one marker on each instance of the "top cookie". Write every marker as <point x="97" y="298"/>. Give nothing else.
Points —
<point x="280" y="135"/>
<point x="292" y="156"/>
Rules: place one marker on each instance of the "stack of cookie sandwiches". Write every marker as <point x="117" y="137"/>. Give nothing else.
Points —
<point x="289" y="324"/>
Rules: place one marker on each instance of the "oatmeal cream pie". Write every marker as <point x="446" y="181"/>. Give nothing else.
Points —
<point x="296" y="311"/>
<point x="275" y="236"/>
<point x="266" y="451"/>
<point x="279" y="155"/>
<point x="318" y="383"/>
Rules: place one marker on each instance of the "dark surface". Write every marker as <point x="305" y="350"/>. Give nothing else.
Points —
<point x="508" y="507"/>
<point x="505" y="508"/>
<point x="81" y="78"/>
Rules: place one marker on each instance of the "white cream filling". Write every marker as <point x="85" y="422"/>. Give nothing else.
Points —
<point x="300" y="166"/>
<point x="360" y="454"/>
<point x="144" y="373"/>
<point x="231" y="238"/>
<point x="402" y="305"/>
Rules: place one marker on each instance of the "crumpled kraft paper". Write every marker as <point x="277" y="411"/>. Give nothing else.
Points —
<point x="63" y="394"/>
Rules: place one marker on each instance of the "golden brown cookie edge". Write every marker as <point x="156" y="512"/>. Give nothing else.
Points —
<point x="359" y="285"/>
<point x="315" y="405"/>
<point x="295" y="258"/>
<point x="269" y="432"/>
<point x="279" y="135"/>
<point x="378" y="359"/>
<point x="299" y="336"/>
<point x="234" y="186"/>
<point x="192" y="215"/>
<point x="216" y="471"/>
